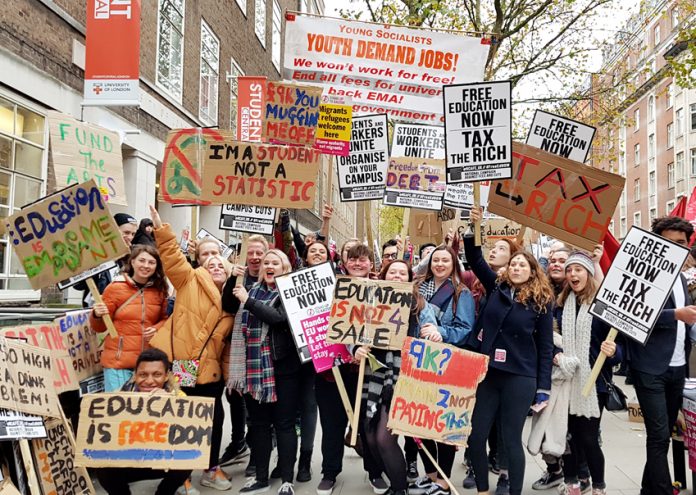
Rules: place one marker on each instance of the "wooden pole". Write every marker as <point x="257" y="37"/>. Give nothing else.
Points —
<point x="326" y="226"/>
<point x="477" y="205"/>
<point x="358" y="401"/>
<point x="342" y="392"/>
<point x="242" y="256"/>
<point x="28" y="464"/>
<point x="404" y="231"/>
<point x="368" y="224"/>
<point x="597" y="368"/>
<point x="194" y="221"/>
<point x="520" y="237"/>
<point x="437" y="466"/>
<point x="111" y="329"/>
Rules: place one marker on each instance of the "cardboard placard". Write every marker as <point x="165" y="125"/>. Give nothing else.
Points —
<point x="47" y="336"/>
<point x="462" y="195"/>
<point x="54" y="460"/>
<point x="81" y="151"/>
<point x="418" y="141"/>
<point x="291" y="113"/>
<point x="65" y="234"/>
<point x="144" y="430"/>
<point x="478" y="129"/>
<point x="81" y="342"/>
<point x="635" y="414"/>
<point x="251" y="93"/>
<point x="245" y="218"/>
<point x="638" y="283"/>
<point x="559" y="197"/>
<point x="436" y="391"/>
<point x="15" y="425"/>
<point x="415" y="183"/>
<point x="362" y="175"/>
<point x="561" y="136"/>
<point x="307" y="296"/>
<point x="27" y="379"/>
<point x="333" y="130"/>
<point x="370" y="312"/>
<point x="430" y="226"/>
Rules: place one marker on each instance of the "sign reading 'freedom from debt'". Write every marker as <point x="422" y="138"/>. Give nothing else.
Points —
<point x="638" y="283"/>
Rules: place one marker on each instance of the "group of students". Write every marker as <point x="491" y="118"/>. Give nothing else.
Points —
<point x="529" y="316"/>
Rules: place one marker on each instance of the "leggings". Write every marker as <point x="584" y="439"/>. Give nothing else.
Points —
<point x="213" y="390"/>
<point x="443" y="454"/>
<point x="385" y="448"/>
<point x="411" y="450"/>
<point x="510" y="395"/>
<point x="308" y="408"/>
<point x="583" y="436"/>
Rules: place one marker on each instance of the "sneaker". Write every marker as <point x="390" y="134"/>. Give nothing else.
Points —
<point x="379" y="486"/>
<point x="234" y="455"/>
<point x="569" y="489"/>
<point x="548" y="480"/>
<point x="493" y="465"/>
<point x="252" y="486"/>
<point x="286" y="488"/>
<point x="187" y="489"/>
<point x="412" y="472"/>
<point x="469" y="481"/>
<point x="326" y="487"/>
<point x="436" y="489"/>
<point x="503" y="487"/>
<point x="275" y="474"/>
<point x="216" y="479"/>
<point x="585" y="486"/>
<point x="599" y="491"/>
<point x="420" y="486"/>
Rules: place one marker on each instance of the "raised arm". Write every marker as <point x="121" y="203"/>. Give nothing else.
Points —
<point x="478" y="265"/>
<point x="176" y="267"/>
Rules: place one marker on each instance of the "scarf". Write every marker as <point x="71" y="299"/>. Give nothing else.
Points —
<point x="427" y="289"/>
<point x="437" y="298"/>
<point x="236" y="376"/>
<point x="379" y="384"/>
<point x="577" y="333"/>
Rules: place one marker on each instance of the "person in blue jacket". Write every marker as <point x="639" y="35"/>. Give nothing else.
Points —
<point x="453" y="304"/>
<point x="515" y="329"/>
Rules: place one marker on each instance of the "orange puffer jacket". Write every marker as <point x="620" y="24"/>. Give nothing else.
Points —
<point x="147" y="309"/>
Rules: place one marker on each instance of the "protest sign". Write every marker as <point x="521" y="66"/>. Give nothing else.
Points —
<point x="81" y="342"/>
<point x="69" y="282"/>
<point x="436" y="391"/>
<point x="244" y="218"/>
<point x="80" y="152"/>
<point x="307" y="296"/>
<point x="251" y="92"/>
<point x="15" y="425"/>
<point x="415" y="183"/>
<point x="689" y="410"/>
<point x="462" y="195"/>
<point x="385" y="68"/>
<point x="333" y="130"/>
<point x="291" y="113"/>
<point x="418" y="141"/>
<point x="362" y="175"/>
<point x="225" y="250"/>
<point x="478" y="130"/>
<point x="638" y="283"/>
<point x="27" y="379"/>
<point x="92" y="385"/>
<point x="559" y="197"/>
<point x="64" y="234"/>
<point x="54" y="460"/>
<point x="370" y="312"/>
<point x="561" y="136"/>
<point x="47" y="336"/>
<point x="144" y="430"/>
<point x="431" y="226"/>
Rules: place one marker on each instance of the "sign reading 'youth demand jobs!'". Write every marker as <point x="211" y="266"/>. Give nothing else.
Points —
<point x="639" y="282"/>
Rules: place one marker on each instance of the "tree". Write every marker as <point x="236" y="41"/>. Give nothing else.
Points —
<point x="390" y="221"/>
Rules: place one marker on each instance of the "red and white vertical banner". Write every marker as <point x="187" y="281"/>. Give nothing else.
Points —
<point x="113" y="52"/>
<point x="251" y="92"/>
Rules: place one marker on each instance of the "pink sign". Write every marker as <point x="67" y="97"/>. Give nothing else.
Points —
<point x="689" y="410"/>
<point x="324" y="355"/>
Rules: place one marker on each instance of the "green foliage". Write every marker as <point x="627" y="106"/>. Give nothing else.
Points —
<point x="390" y="221"/>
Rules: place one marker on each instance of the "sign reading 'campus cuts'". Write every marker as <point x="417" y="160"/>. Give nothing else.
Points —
<point x="639" y="282"/>
<point x="478" y="129"/>
<point x="370" y="312"/>
<point x="64" y="234"/>
<point x="362" y="175"/>
<point x="565" y="199"/>
<point x="80" y="152"/>
<point x="245" y="218"/>
<point x="561" y="136"/>
<point x="307" y="296"/>
<point x="144" y="430"/>
<point x="292" y="113"/>
<point x="436" y="391"/>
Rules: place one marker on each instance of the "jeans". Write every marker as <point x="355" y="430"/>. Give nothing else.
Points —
<point x="308" y="408"/>
<point x="660" y="398"/>
<point x="115" y="481"/>
<point x="213" y="390"/>
<point x="583" y="435"/>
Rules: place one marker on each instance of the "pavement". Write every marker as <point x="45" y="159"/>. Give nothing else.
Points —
<point x="623" y="444"/>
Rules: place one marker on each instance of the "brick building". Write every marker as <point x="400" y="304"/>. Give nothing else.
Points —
<point x="191" y="53"/>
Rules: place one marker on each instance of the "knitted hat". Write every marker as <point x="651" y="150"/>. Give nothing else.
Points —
<point x="124" y="218"/>
<point x="582" y="259"/>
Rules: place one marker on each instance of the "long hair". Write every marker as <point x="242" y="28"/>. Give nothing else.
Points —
<point x="157" y="279"/>
<point x="456" y="276"/>
<point x="328" y="252"/>
<point x="284" y="260"/>
<point x="537" y="290"/>
<point x="418" y="300"/>
<point x="585" y="296"/>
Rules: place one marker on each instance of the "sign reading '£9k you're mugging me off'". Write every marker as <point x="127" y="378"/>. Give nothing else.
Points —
<point x="638" y="283"/>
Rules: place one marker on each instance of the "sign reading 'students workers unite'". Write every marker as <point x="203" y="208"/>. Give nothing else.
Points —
<point x="384" y="68"/>
<point x="478" y="130"/>
<point x="638" y="283"/>
<point x="564" y="199"/>
<point x="561" y="136"/>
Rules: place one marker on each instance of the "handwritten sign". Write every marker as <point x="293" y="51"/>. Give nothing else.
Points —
<point x="370" y="312"/>
<point x="561" y="136"/>
<point x="559" y="197"/>
<point x="64" y="234"/>
<point x="307" y="296"/>
<point x="436" y="391"/>
<point x="144" y="430"/>
<point x="333" y="129"/>
<point x="81" y="151"/>
<point x="415" y="183"/>
<point x="292" y="113"/>
<point x="245" y="218"/>
<point x="478" y="129"/>
<point x="638" y="283"/>
<point x="27" y="379"/>
<point x="428" y="226"/>
<point x="81" y="342"/>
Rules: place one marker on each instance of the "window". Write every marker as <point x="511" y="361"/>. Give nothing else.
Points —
<point x="243" y="6"/>
<point x="656" y="34"/>
<point x="636" y="190"/>
<point x="651" y="146"/>
<point x="651" y="108"/>
<point x="680" y="165"/>
<point x="653" y="214"/>
<point x="611" y="228"/>
<point x="622" y="233"/>
<point x="675" y="18"/>
<point x="22" y="159"/>
<point x="210" y="69"/>
<point x="170" y="46"/>
<point x="679" y="118"/>
<point x="636" y="155"/>
<point x="275" y="36"/>
<point x="636" y="119"/>
<point x="235" y="72"/>
<point x="670" y="135"/>
<point x="692" y="117"/>
<point x="670" y="96"/>
<point x="669" y="206"/>
<point x="692" y="161"/>
<point x="636" y="219"/>
<point x="651" y="183"/>
<point x="670" y="175"/>
<point x="260" y="21"/>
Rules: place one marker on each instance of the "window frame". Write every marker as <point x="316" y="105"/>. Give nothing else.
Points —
<point x="211" y="116"/>
<point x="260" y="36"/>
<point x="235" y="72"/>
<point x="178" y="97"/>
<point x="276" y="43"/>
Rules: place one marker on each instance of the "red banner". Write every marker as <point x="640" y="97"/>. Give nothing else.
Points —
<point x="250" y="102"/>
<point x="113" y="52"/>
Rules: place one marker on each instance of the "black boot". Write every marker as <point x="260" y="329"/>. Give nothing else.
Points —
<point x="304" y="466"/>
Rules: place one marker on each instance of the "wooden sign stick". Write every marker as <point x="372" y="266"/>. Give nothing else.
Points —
<point x="342" y="392"/>
<point x="477" y="205"/>
<point x="242" y="256"/>
<point x="520" y="236"/>
<point x="439" y="469"/>
<point x="358" y="401"/>
<point x="597" y="368"/>
<point x="404" y="231"/>
<point x="326" y="227"/>
<point x="28" y="463"/>
<point x="111" y="329"/>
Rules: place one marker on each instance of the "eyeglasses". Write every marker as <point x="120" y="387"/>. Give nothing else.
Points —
<point x="391" y="256"/>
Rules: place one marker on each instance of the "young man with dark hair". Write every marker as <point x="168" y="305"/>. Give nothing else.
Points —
<point x="390" y="250"/>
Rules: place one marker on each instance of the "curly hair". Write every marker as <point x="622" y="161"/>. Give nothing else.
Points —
<point x="537" y="290"/>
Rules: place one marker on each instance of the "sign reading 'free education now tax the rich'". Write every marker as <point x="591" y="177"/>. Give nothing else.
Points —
<point x="64" y="234"/>
<point x="638" y="283"/>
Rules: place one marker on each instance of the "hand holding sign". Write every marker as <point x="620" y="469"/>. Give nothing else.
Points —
<point x="156" y="220"/>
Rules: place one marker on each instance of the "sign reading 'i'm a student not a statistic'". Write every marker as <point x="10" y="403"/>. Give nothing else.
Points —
<point x="638" y="283"/>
